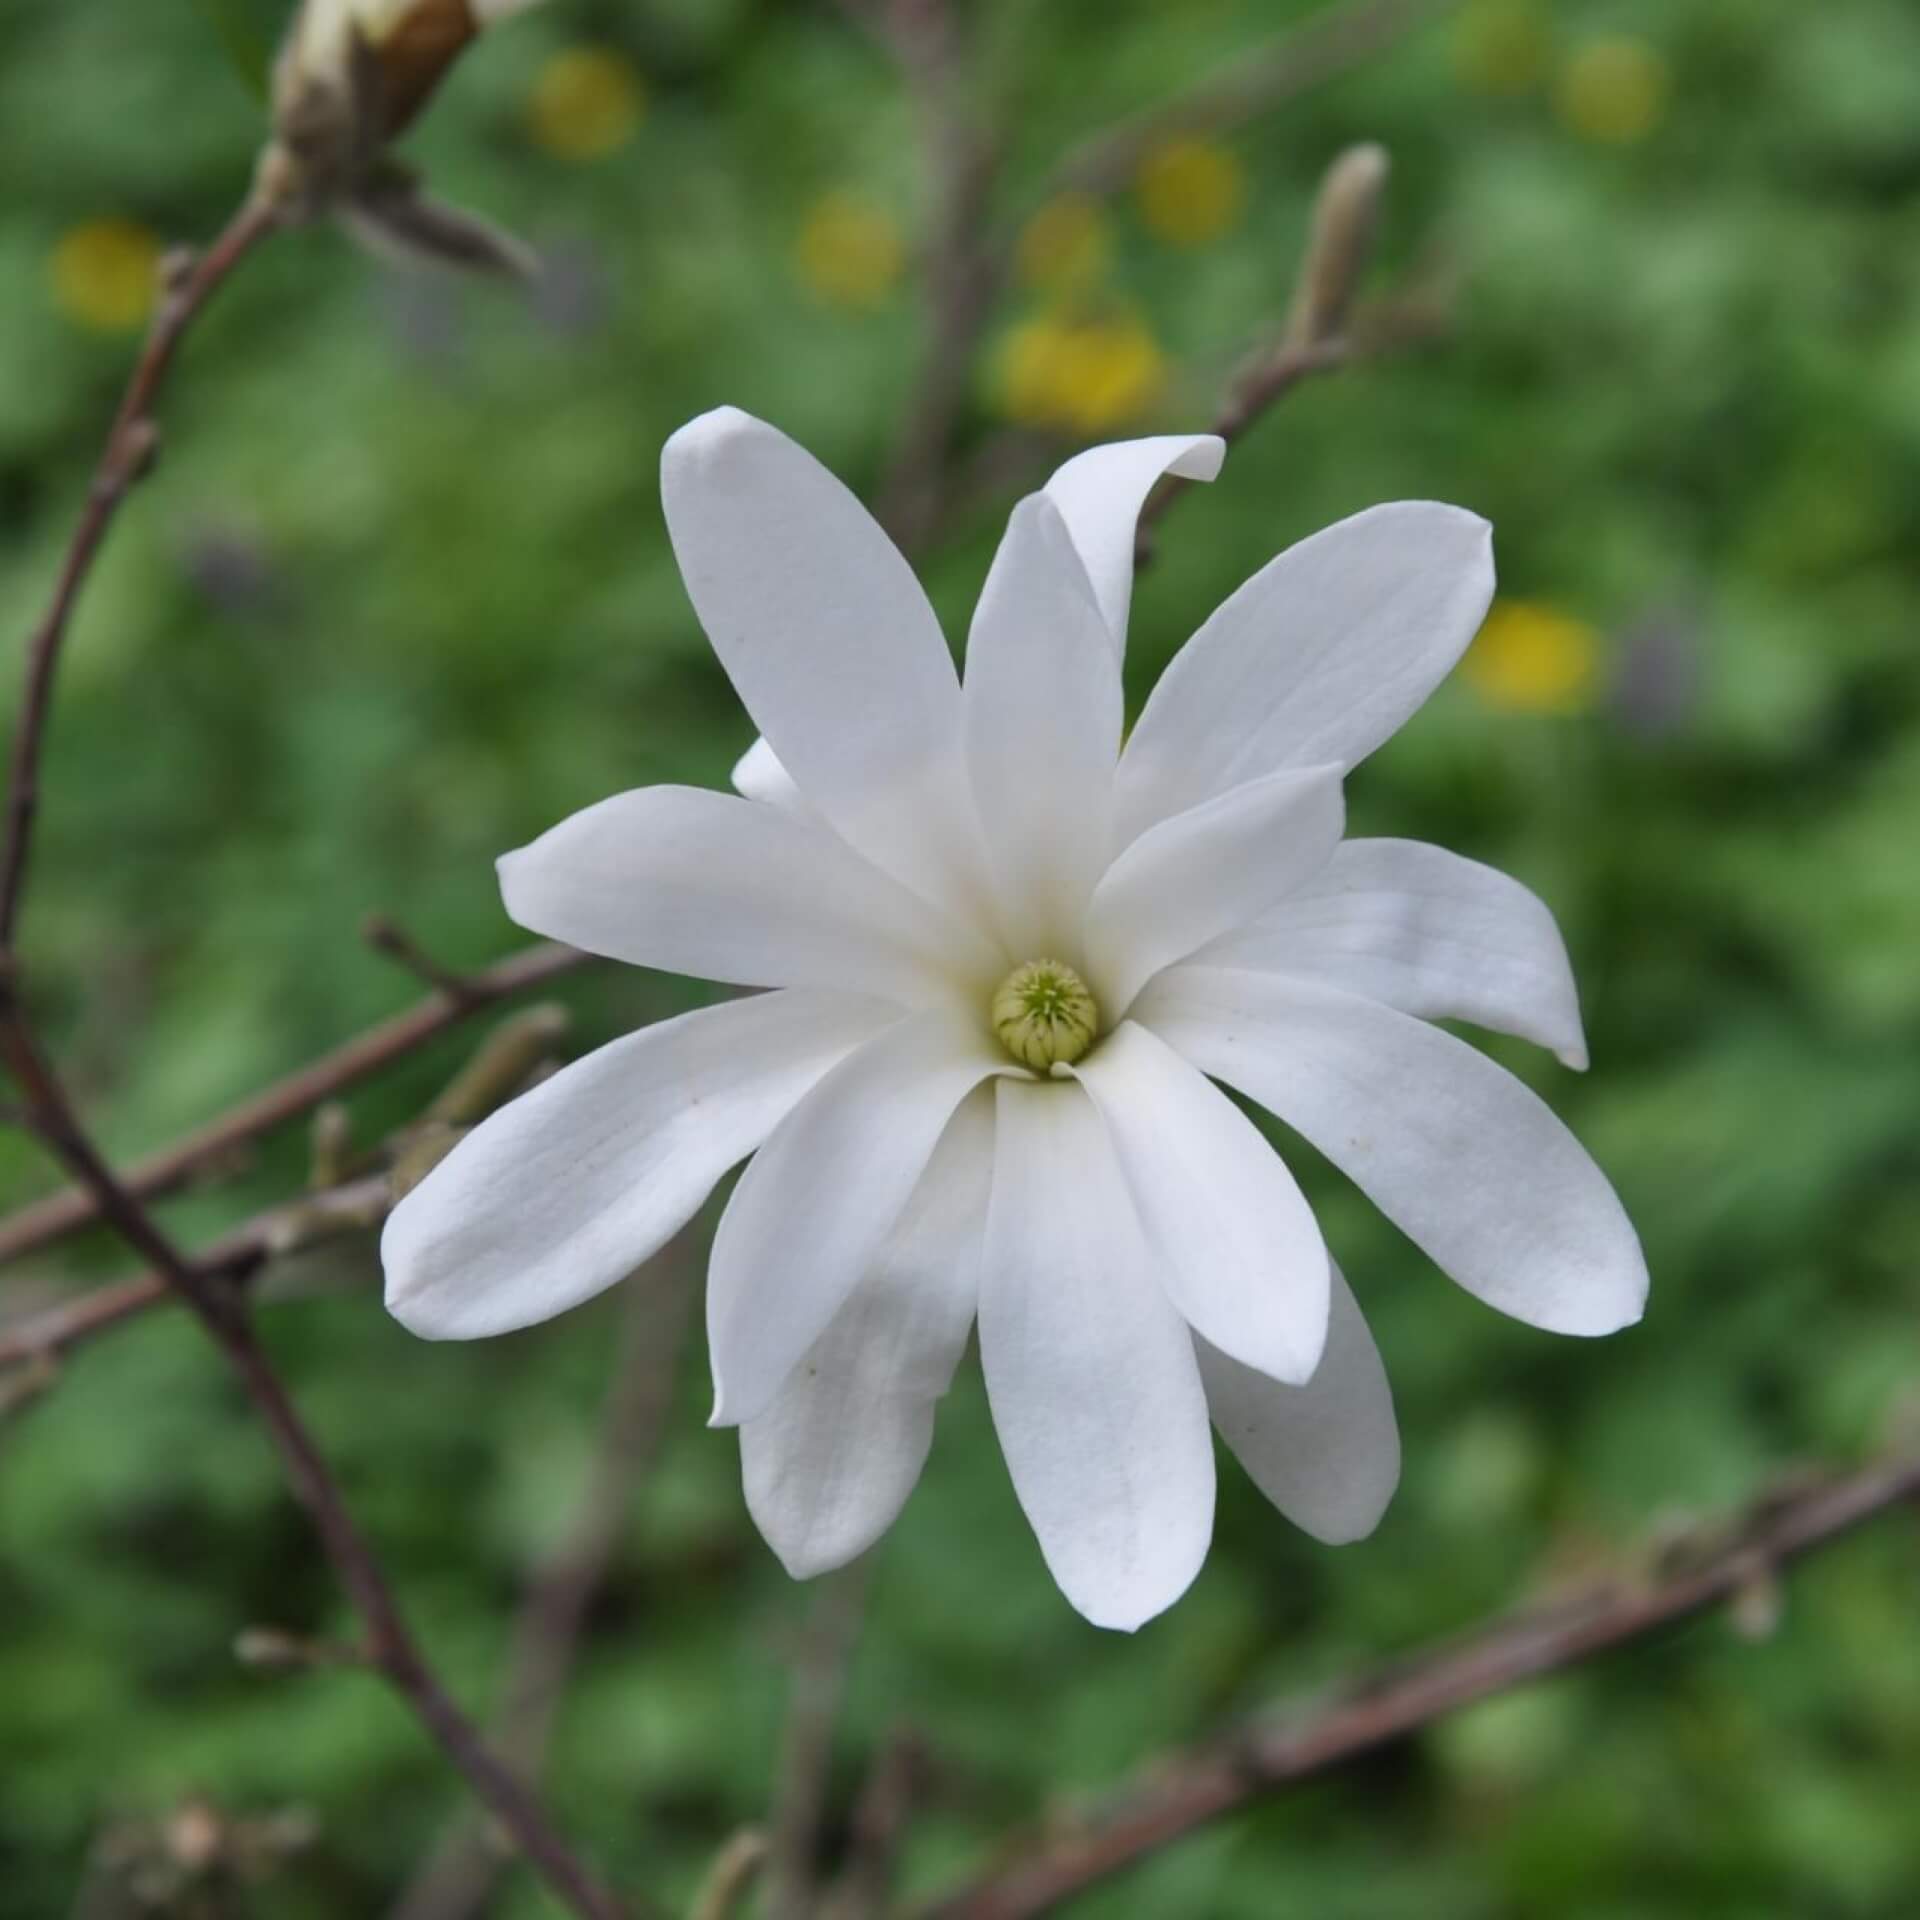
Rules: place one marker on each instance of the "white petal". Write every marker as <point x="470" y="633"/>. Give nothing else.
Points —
<point x="813" y="1211"/>
<point x="722" y="888"/>
<point x="1091" y="1373"/>
<point x="758" y="775"/>
<point x="828" y="640"/>
<point x="1319" y="657"/>
<point x="1426" y="931"/>
<point x="1234" y="1241"/>
<point x="1326" y="1454"/>
<point x="830" y="1464"/>
<point x="1043" y="717"/>
<point x="1100" y="494"/>
<point x="1190" y="879"/>
<point x="573" y="1185"/>
<point x="1464" y="1160"/>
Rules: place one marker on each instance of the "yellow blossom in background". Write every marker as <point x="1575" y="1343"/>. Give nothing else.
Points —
<point x="1532" y="658"/>
<point x="104" y="274"/>
<point x="1501" y="46"/>
<point x="1190" y="192"/>
<point x="1082" y="376"/>
<point x="1066" y="245"/>
<point x="849" y="251"/>
<point x="1613" y="90"/>
<point x="586" y="103"/>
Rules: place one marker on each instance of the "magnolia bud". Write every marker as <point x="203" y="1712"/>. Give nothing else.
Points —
<point x="1340" y="244"/>
<point x="351" y="78"/>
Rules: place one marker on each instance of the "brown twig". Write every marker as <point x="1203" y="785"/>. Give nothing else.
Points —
<point x="1320" y="49"/>
<point x="390" y="1646"/>
<point x="963" y="271"/>
<point x="235" y="1258"/>
<point x="805" y="1776"/>
<point x="459" y="1875"/>
<point x="132" y="441"/>
<point x="1275" y="1751"/>
<point x="1321" y="334"/>
<point x="730" y="1879"/>
<point x="45" y="1221"/>
<point x="880" y="1818"/>
<point x="387" y="936"/>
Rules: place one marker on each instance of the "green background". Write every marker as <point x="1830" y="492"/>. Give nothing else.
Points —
<point x="400" y="597"/>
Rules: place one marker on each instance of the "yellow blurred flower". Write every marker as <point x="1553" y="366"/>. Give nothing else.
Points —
<point x="1083" y="376"/>
<point x="1532" y="658"/>
<point x="1500" y="46"/>
<point x="1613" y="90"/>
<point x="849" y="251"/>
<point x="586" y="103"/>
<point x="1067" y="244"/>
<point x="1190" y="191"/>
<point x="103" y="274"/>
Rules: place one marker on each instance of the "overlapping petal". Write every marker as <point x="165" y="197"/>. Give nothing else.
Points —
<point x="829" y="641"/>
<point x="1043" y="714"/>
<point x="570" y="1187"/>
<point x="1188" y="880"/>
<point x="1100" y="494"/>
<point x="1468" y="1163"/>
<point x="1319" y="657"/>
<point x="830" y="1464"/>
<point x="1233" y="1239"/>
<point x="1327" y="1454"/>
<point x="1091" y="1373"/>
<point x="718" y="887"/>
<point x="758" y="775"/>
<point x="1435" y="935"/>
<point x="819" y="1201"/>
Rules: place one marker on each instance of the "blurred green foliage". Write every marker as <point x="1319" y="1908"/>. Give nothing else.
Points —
<point x="400" y="598"/>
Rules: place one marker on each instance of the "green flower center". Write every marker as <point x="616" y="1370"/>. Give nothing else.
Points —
<point x="1044" y="1014"/>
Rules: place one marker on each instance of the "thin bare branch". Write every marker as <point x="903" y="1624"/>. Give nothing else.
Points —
<point x="963" y="270"/>
<point x="460" y="1874"/>
<point x="730" y="1879"/>
<point x="189" y="283"/>
<point x="805" y="1777"/>
<point x="1326" y="45"/>
<point x="387" y="936"/>
<point x="881" y="1815"/>
<point x="221" y="1310"/>
<point x="1175" y="1796"/>
<point x="236" y="1257"/>
<point x="172" y="1167"/>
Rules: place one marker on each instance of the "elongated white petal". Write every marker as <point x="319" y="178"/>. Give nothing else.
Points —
<point x="1091" y="1373"/>
<point x="1426" y="931"/>
<point x="1100" y="494"/>
<point x="830" y="1464"/>
<point x="1233" y="1239"/>
<point x="828" y="640"/>
<point x="718" y="887"/>
<point x="758" y="775"/>
<point x="1468" y="1163"/>
<point x="573" y="1185"/>
<point x="818" y="1203"/>
<point x="1043" y="717"/>
<point x="1326" y="1454"/>
<point x="1319" y="657"/>
<point x="1190" y="879"/>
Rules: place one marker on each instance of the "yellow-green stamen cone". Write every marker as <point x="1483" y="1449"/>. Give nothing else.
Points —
<point x="1044" y="1015"/>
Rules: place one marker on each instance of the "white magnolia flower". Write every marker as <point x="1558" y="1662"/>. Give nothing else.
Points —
<point x="1010" y="958"/>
